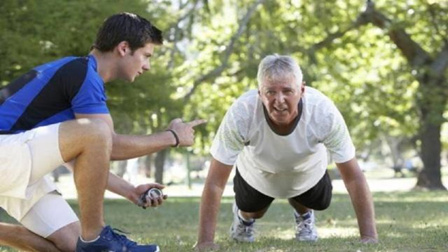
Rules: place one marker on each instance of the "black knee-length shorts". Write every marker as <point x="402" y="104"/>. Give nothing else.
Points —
<point x="249" y="199"/>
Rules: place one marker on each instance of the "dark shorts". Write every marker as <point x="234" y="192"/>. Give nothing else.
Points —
<point x="249" y="199"/>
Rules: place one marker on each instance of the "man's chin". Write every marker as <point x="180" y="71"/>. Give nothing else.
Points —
<point x="279" y="120"/>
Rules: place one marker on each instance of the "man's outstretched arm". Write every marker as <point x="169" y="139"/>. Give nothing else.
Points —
<point x="210" y="203"/>
<point x="361" y="198"/>
<point x="131" y="146"/>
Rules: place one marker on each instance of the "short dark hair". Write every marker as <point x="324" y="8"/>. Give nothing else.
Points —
<point x="134" y="29"/>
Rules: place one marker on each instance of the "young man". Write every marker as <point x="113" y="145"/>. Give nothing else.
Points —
<point x="57" y="113"/>
<point x="277" y="138"/>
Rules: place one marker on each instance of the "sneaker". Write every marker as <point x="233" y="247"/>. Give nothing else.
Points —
<point x="305" y="228"/>
<point x="241" y="231"/>
<point x="110" y="241"/>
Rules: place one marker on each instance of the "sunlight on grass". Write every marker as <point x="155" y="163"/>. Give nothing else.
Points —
<point x="426" y="225"/>
<point x="337" y="232"/>
<point x="385" y="222"/>
<point x="394" y="235"/>
<point x="412" y="196"/>
<point x="416" y="199"/>
<point x="286" y="234"/>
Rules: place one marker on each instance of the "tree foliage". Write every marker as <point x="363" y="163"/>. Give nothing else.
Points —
<point x="384" y="65"/>
<point x="348" y="49"/>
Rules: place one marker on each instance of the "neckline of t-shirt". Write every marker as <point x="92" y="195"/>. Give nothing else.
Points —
<point x="296" y="121"/>
<point x="94" y="63"/>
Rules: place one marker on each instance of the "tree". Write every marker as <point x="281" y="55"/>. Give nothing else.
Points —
<point x="432" y="95"/>
<point x="347" y="49"/>
<point x="337" y="48"/>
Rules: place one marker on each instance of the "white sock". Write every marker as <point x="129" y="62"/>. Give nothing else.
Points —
<point x="94" y="240"/>
<point x="306" y="215"/>
<point x="244" y="219"/>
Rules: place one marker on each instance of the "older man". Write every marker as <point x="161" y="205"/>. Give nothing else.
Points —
<point x="277" y="139"/>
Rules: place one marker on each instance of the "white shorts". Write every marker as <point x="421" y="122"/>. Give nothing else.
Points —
<point x="48" y="215"/>
<point x="25" y="159"/>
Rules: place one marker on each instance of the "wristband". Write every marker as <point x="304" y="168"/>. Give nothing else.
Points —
<point x="175" y="136"/>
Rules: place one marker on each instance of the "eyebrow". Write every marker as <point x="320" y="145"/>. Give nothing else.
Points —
<point x="284" y="88"/>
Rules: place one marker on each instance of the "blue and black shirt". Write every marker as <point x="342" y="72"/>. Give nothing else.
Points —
<point x="52" y="93"/>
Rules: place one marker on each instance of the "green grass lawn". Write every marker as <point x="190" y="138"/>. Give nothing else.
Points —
<point x="406" y="221"/>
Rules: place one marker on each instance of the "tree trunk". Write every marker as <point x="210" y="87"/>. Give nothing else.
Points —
<point x="430" y="177"/>
<point x="431" y="105"/>
<point x="148" y="165"/>
<point x="121" y="168"/>
<point x="431" y="94"/>
<point x="159" y="163"/>
<point x="395" y="151"/>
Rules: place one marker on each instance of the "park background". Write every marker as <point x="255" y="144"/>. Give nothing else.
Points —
<point x="384" y="64"/>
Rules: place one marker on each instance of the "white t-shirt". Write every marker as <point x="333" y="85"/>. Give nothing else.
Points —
<point x="282" y="166"/>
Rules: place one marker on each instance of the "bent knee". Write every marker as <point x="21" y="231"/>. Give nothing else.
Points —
<point x="321" y="206"/>
<point x="65" y="238"/>
<point x="95" y="130"/>
<point x="93" y="126"/>
<point x="79" y="135"/>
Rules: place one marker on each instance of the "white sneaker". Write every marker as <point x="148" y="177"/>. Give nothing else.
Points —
<point x="305" y="229"/>
<point x="240" y="231"/>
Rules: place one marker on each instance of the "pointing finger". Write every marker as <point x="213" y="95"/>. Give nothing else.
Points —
<point x="196" y="122"/>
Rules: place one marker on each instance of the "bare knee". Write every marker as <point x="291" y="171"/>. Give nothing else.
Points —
<point x="254" y="215"/>
<point x="257" y="215"/>
<point x="84" y="135"/>
<point x="65" y="238"/>
<point x="98" y="132"/>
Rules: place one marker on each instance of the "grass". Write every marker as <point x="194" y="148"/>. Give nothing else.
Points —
<point x="406" y="221"/>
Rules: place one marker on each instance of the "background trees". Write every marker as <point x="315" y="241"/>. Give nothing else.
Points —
<point x="383" y="63"/>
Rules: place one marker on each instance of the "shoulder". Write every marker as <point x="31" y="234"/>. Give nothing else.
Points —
<point x="318" y="104"/>
<point x="240" y="114"/>
<point x="65" y="69"/>
<point x="248" y="100"/>
<point x="59" y="64"/>
<point x="245" y="103"/>
<point x="75" y="66"/>
<point x="316" y="97"/>
<point x="249" y="97"/>
<point x="320" y="109"/>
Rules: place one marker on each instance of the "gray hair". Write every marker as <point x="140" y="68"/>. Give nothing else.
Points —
<point x="278" y="67"/>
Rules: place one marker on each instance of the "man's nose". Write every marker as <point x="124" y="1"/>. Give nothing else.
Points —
<point x="147" y="66"/>
<point x="280" y="97"/>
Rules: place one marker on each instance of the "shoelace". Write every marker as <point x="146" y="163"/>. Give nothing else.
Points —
<point x="245" y="230"/>
<point x="114" y="232"/>
<point x="304" y="226"/>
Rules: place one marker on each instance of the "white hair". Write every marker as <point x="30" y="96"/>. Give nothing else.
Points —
<point x="278" y="67"/>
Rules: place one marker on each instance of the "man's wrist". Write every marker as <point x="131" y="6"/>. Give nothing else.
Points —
<point x="175" y="137"/>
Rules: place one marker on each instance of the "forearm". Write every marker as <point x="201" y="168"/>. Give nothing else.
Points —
<point x="131" y="146"/>
<point x="121" y="187"/>
<point x="363" y="205"/>
<point x="209" y="209"/>
<point x="211" y="201"/>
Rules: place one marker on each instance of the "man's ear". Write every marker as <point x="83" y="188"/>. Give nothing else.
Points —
<point x="123" y="48"/>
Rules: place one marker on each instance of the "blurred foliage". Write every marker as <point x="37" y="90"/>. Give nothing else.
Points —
<point x="212" y="50"/>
